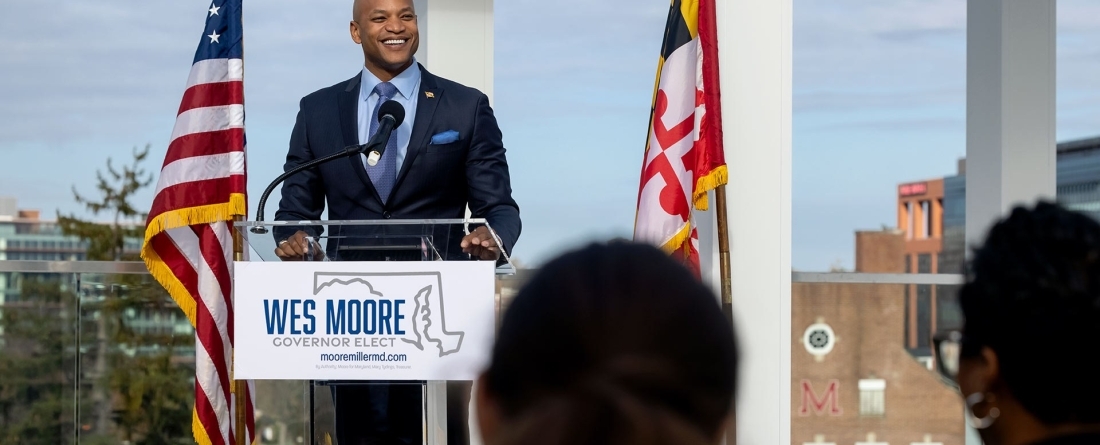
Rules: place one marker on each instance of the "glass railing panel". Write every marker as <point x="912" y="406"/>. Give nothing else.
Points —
<point x="137" y="362"/>
<point x="39" y="395"/>
<point x="137" y="370"/>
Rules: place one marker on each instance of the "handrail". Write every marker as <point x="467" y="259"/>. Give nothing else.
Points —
<point x="137" y="267"/>
<point x="102" y="267"/>
<point x="877" y="278"/>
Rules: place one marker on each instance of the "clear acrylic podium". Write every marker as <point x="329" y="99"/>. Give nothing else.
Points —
<point x="369" y="242"/>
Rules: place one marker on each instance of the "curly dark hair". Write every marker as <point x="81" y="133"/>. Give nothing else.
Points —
<point x="613" y="344"/>
<point x="1033" y="296"/>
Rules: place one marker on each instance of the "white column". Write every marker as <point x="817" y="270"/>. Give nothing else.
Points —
<point x="1010" y="145"/>
<point x="754" y="44"/>
<point x="1010" y="112"/>
<point x="456" y="41"/>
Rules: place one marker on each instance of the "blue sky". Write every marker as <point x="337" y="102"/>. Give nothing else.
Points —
<point x="879" y="98"/>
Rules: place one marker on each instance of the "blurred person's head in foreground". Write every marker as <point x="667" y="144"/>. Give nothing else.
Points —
<point x="610" y="344"/>
<point x="1030" y="346"/>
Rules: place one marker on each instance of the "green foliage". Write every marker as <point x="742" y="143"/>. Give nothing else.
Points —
<point x="153" y="391"/>
<point x="116" y="189"/>
<point x="140" y="386"/>
<point x="104" y="365"/>
<point x="37" y="363"/>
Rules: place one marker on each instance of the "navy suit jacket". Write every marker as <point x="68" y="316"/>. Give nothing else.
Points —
<point x="435" y="181"/>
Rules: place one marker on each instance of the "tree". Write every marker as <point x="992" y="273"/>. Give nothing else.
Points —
<point x="107" y="242"/>
<point x="141" y="386"/>
<point x="37" y="363"/>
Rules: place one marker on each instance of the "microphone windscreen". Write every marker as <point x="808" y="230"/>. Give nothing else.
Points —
<point x="391" y="107"/>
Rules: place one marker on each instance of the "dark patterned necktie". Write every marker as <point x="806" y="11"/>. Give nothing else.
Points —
<point x="384" y="174"/>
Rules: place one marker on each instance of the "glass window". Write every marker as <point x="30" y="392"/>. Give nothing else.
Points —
<point x="872" y="397"/>
<point x="924" y="317"/>
<point x="926" y="219"/>
<point x="910" y="219"/>
<point x="948" y="312"/>
<point x="924" y="263"/>
<point x="908" y="313"/>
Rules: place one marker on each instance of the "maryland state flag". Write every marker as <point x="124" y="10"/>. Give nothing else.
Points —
<point x="683" y="154"/>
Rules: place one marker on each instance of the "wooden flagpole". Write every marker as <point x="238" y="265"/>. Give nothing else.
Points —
<point x="727" y="287"/>
<point x="240" y="421"/>
<point x="724" y="251"/>
<point x="239" y="387"/>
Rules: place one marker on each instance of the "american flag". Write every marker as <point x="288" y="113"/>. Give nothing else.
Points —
<point x="188" y="237"/>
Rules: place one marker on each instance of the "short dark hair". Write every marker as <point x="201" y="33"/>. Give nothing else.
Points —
<point x="1033" y="296"/>
<point x="614" y="344"/>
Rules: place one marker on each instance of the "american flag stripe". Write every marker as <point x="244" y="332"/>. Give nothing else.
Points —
<point x="214" y="392"/>
<point x="204" y="410"/>
<point x="212" y="95"/>
<point x="193" y="195"/>
<point x="200" y="168"/>
<point x="203" y="144"/>
<point x="198" y="120"/>
<point x="221" y="266"/>
<point x="189" y="242"/>
<point x="215" y="70"/>
<point x="250" y="411"/>
<point x="214" y="345"/>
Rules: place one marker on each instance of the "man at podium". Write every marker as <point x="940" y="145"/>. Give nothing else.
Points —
<point x="445" y="156"/>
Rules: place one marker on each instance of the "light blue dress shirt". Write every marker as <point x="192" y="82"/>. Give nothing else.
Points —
<point x="408" y="86"/>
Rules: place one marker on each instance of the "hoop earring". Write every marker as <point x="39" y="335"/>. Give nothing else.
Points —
<point x="976" y="422"/>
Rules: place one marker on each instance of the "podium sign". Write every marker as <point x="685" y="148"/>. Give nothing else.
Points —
<point x="331" y="320"/>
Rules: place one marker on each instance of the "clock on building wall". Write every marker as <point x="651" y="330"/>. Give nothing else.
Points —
<point x="819" y="339"/>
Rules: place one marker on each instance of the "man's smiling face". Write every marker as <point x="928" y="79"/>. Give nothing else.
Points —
<point x="388" y="33"/>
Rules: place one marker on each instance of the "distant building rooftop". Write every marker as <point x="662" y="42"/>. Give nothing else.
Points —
<point x="1074" y="146"/>
<point x="1092" y="143"/>
<point x="10" y="212"/>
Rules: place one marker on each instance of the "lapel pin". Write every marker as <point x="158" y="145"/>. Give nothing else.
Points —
<point x="430" y="94"/>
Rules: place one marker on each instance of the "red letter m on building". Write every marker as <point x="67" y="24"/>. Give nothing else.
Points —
<point x="828" y="403"/>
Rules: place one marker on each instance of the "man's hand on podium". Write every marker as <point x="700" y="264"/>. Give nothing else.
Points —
<point x="480" y="243"/>
<point x="295" y="248"/>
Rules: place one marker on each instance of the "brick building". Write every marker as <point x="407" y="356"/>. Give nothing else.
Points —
<point x="920" y="219"/>
<point x="853" y="380"/>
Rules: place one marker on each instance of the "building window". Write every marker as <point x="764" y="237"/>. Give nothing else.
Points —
<point x="948" y="312"/>
<point x="924" y="318"/>
<point x="926" y="215"/>
<point x="908" y="313"/>
<point x="924" y="263"/>
<point x="872" y="397"/>
<point x="937" y="229"/>
<point x="909" y="219"/>
<point x="908" y="263"/>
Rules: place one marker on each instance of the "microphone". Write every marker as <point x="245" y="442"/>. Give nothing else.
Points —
<point x="390" y="116"/>
<point x="347" y="151"/>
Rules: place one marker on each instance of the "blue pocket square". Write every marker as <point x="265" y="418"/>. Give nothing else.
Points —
<point x="445" y="137"/>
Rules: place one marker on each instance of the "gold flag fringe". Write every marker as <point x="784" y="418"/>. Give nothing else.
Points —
<point x="678" y="239"/>
<point x="160" y="271"/>
<point x="202" y="437"/>
<point x="718" y="176"/>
